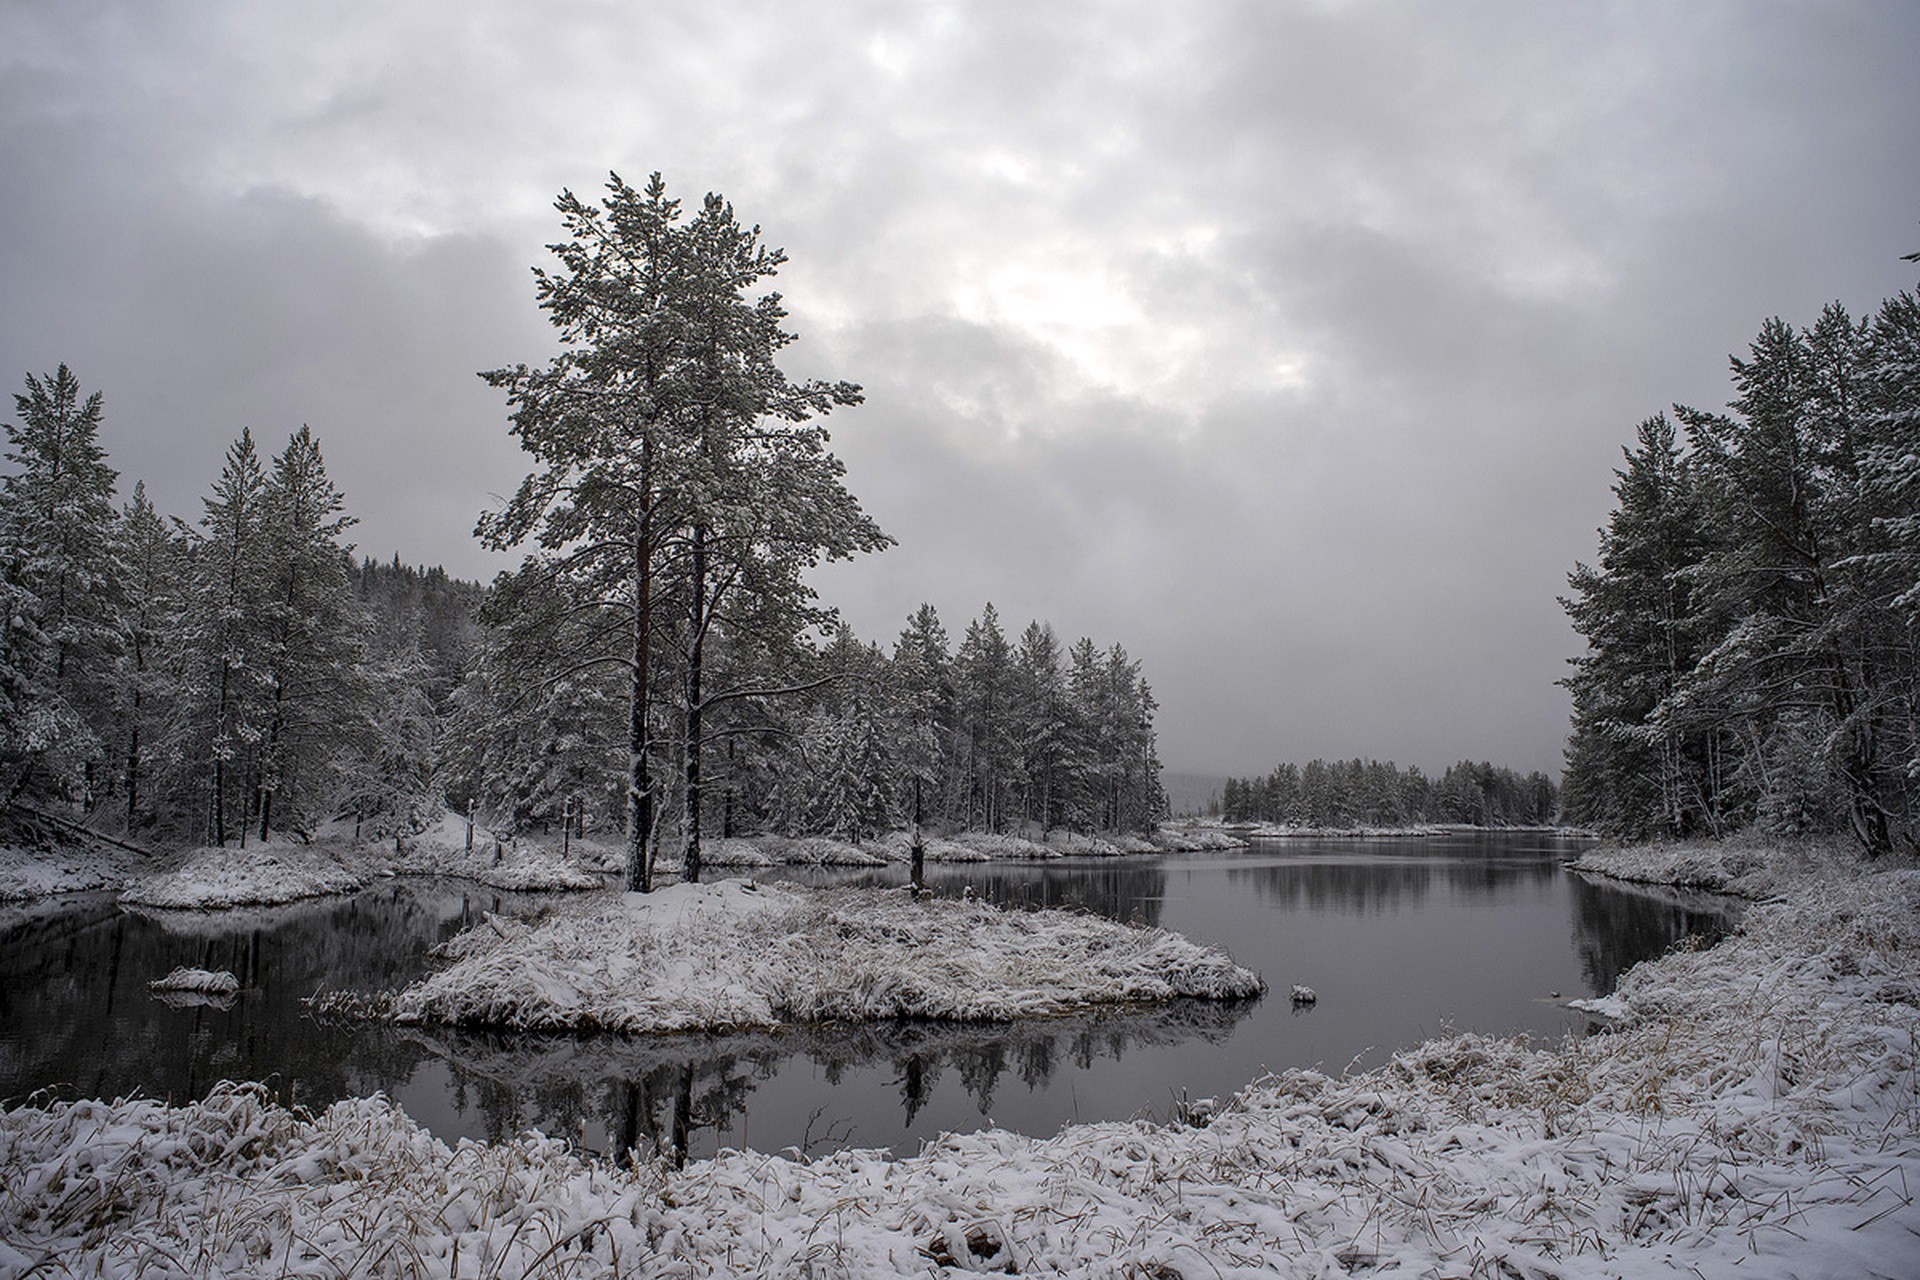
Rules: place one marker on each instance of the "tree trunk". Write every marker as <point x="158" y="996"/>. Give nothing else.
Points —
<point x="639" y="782"/>
<point x="220" y="762"/>
<point x="919" y="846"/>
<point x="695" y="711"/>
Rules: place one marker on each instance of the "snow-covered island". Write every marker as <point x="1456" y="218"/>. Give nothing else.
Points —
<point x="735" y="954"/>
<point x="1754" y="1112"/>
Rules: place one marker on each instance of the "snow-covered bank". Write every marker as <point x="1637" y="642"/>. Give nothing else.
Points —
<point x="68" y="866"/>
<point x="1757" y="1114"/>
<point x="210" y="878"/>
<point x="713" y="957"/>
<point x="962" y="846"/>
<point x="282" y="871"/>
<point x="1746" y="867"/>
<point x="289" y="869"/>
<point x="1285" y="831"/>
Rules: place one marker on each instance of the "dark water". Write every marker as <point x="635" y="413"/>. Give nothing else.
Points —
<point x="1402" y="939"/>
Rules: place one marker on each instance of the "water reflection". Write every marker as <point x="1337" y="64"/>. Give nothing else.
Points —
<point x="75" y="1012"/>
<point x="693" y="1094"/>
<point x="1402" y="941"/>
<point x="1618" y="925"/>
<point x="1360" y="885"/>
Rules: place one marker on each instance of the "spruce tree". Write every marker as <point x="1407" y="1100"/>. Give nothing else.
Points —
<point x="58" y="558"/>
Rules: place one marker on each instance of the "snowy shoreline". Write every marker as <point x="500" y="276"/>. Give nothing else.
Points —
<point x="288" y="870"/>
<point x="734" y="954"/>
<point x="1742" y="868"/>
<point x="1756" y="1112"/>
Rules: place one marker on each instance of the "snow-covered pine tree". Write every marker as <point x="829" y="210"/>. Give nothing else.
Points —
<point x="217" y="654"/>
<point x="58" y="554"/>
<point x="390" y="785"/>
<point x="670" y="445"/>
<point x="983" y="681"/>
<point x="1637" y="760"/>
<point x="312" y="643"/>
<point x="922" y="677"/>
<point x="153" y="557"/>
<point x="1043" y="725"/>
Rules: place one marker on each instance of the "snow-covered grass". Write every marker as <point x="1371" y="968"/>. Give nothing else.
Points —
<point x="1286" y="831"/>
<point x="1028" y="845"/>
<point x="713" y="957"/>
<point x="63" y="866"/>
<point x="1195" y="837"/>
<point x="1747" y="866"/>
<point x="1757" y="1113"/>
<point x="441" y="850"/>
<point x="288" y="870"/>
<point x="215" y="877"/>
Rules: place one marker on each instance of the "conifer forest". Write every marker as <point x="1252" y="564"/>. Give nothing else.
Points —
<point x="657" y="667"/>
<point x="1753" y="615"/>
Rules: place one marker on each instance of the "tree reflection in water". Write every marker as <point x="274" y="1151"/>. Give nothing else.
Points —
<point x="690" y="1094"/>
<point x="75" y="1012"/>
<point x="1617" y="924"/>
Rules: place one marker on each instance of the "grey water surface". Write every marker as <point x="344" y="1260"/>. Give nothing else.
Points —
<point x="1402" y="939"/>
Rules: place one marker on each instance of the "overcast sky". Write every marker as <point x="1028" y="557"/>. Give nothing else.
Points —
<point x="1290" y="345"/>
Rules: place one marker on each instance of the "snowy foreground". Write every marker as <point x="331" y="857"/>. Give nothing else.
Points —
<point x="1756" y="1113"/>
<point x="732" y="955"/>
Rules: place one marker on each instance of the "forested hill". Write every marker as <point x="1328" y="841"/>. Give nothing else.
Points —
<point x="1345" y="794"/>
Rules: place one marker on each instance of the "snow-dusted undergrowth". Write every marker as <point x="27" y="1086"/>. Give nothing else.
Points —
<point x="962" y="846"/>
<point x="733" y="954"/>
<point x="1757" y="1114"/>
<point x="215" y="877"/>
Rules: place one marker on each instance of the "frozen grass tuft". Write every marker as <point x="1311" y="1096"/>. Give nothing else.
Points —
<point x="733" y="955"/>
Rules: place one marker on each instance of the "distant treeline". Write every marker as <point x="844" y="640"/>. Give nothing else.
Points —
<point x="1343" y="794"/>
<point x="1753" y="617"/>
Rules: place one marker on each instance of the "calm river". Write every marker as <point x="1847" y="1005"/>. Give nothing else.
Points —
<point x="1402" y="939"/>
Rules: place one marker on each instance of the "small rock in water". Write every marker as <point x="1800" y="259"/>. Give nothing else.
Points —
<point x="1303" y="995"/>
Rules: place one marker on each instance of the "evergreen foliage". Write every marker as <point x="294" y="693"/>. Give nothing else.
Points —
<point x="1750" y="622"/>
<point x="679" y="471"/>
<point x="58" y="572"/>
